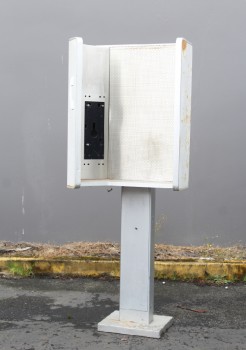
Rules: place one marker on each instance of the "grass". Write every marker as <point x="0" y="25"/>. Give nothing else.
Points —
<point x="20" y="269"/>
<point x="218" y="279"/>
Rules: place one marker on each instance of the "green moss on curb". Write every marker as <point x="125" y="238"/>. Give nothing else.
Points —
<point x="208" y="272"/>
<point x="21" y="269"/>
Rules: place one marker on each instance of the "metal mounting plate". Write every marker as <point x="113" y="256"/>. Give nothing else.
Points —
<point x="94" y="130"/>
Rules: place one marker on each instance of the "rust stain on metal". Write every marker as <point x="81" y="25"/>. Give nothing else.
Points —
<point x="186" y="118"/>
<point x="184" y="45"/>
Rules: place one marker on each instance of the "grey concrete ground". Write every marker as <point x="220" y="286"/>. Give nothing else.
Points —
<point x="59" y="314"/>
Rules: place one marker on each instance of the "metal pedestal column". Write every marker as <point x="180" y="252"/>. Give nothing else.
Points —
<point x="135" y="316"/>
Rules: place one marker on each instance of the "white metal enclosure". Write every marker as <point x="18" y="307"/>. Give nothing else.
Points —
<point x="140" y="99"/>
<point x="129" y="125"/>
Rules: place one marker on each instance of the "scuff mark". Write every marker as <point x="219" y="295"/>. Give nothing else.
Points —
<point x="23" y="201"/>
<point x="23" y="208"/>
<point x="45" y="81"/>
<point x="23" y="197"/>
<point x="49" y="124"/>
<point x="62" y="59"/>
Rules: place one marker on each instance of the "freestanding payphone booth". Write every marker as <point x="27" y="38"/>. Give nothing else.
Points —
<point x="129" y="112"/>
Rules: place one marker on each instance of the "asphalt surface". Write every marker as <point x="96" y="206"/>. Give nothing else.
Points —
<point x="61" y="314"/>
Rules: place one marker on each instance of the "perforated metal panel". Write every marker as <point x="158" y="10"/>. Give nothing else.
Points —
<point x="141" y="112"/>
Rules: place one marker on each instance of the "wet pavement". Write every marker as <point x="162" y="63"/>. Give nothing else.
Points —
<point x="41" y="313"/>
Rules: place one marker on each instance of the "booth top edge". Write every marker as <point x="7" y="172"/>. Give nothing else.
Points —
<point x="129" y="45"/>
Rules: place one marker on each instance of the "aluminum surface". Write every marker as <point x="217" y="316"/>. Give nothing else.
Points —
<point x="137" y="255"/>
<point x="95" y="88"/>
<point x="182" y="114"/>
<point x="141" y="113"/>
<point x="74" y="112"/>
<point x="146" y="90"/>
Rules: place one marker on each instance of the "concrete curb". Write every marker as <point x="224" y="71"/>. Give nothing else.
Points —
<point x="220" y="272"/>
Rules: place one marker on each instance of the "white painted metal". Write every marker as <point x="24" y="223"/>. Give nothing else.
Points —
<point x="182" y="114"/>
<point x="137" y="268"/>
<point x="147" y="135"/>
<point x="95" y="88"/>
<point x="141" y="113"/>
<point x="120" y="183"/>
<point x="147" y="94"/>
<point x="113" y="324"/>
<point x="137" y="255"/>
<point x="74" y="113"/>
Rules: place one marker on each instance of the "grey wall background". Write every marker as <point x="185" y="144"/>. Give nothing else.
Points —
<point x="34" y="202"/>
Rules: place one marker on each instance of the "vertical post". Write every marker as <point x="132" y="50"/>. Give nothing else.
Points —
<point x="135" y="315"/>
<point x="137" y="255"/>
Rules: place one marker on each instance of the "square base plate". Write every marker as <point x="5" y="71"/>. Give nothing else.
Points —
<point x="113" y="324"/>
